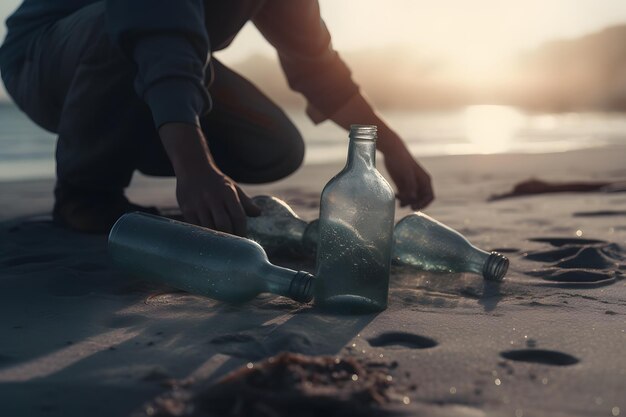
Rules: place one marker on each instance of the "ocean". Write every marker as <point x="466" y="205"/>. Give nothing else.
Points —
<point x="27" y="152"/>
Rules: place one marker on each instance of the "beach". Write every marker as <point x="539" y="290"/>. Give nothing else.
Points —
<point x="79" y="338"/>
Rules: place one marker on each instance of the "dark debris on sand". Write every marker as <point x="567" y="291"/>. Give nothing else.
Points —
<point x="287" y="384"/>
<point x="579" y="262"/>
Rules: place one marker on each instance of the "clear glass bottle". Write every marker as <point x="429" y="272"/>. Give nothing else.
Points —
<point x="411" y="248"/>
<point x="355" y="232"/>
<point x="278" y="229"/>
<point x="201" y="261"/>
<point x="423" y="242"/>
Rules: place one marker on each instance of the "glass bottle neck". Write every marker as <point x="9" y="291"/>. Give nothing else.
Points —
<point x="361" y="153"/>
<point x="297" y="285"/>
<point x="362" y="149"/>
<point x="476" y="262"/>
<point x="492" y="266"/>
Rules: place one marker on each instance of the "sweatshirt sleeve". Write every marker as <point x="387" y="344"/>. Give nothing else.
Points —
<point x="311" y="65"/>
<point x="168" y="42"/>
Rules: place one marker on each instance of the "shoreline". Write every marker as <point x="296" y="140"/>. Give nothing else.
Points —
<point x="496" y="172"/>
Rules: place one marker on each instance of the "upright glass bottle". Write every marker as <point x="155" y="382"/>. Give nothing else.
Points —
<point x="201" y="261"/>
<point x="423" y="242"/>
<point x="356" y="226"/>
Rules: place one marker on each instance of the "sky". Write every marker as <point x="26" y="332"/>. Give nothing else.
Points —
<point x="477" y="30"/>
<point x="473" y="34"/>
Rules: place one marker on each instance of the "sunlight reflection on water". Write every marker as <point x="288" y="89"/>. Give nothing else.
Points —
<point x="28" y="152"/>
<point x="477" y="129"/>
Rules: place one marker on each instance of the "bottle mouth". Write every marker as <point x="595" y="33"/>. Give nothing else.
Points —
<point x="363" y="132"/>
<point x="301" y="287"/>
<point x="495" y="267"/>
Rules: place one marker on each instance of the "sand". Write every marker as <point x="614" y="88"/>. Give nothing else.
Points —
<point x="78" y="338"/>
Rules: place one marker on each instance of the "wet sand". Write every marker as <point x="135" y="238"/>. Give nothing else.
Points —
<point x="79" y="338"/>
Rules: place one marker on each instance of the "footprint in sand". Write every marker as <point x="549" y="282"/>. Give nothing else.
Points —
<point x="541" y="356"/>
<point x="579" y="262"/>
<point x="506" y="250"/>
<point x="402" y="340"/>
<point x="602" y="213"/>
<point x="576" y="277"/>
<point x="586" y="256"/>
<point x="589" y="258"/>
<point x="553" y="255"/>
<point x="562" y="241"/>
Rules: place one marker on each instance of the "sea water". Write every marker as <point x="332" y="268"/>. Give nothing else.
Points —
<point x="27" y="151"/>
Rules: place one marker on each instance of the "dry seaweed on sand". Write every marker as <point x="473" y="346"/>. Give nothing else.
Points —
<point x="287" y="384"/>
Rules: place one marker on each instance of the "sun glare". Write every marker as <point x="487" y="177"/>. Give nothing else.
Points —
<point x="492" y="129"/>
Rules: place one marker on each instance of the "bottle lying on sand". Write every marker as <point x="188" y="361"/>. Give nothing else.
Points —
<point x="427" y="244"/>
<point x="355" y="232"/>
<point x="278" y="229"/>
<point x="201" y="261"/>
<point x="419" y="241"/>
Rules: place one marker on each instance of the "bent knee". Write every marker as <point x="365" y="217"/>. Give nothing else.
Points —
<point x="279" y="156"/>
<point x="283" y="159"/>
<point x="289" y="164"/>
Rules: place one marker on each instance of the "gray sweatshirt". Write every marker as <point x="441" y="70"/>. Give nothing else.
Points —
<point x="171" y="42"/>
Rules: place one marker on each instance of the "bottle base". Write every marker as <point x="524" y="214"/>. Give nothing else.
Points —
<point x="350" y="304"/>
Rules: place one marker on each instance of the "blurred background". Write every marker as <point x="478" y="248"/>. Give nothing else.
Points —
<point x="452" y="77"/>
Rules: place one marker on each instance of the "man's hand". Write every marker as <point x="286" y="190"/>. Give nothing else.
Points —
<point x="413" y="182"/>
<point x="212" y="199"/>
<point x="206" y="196"/>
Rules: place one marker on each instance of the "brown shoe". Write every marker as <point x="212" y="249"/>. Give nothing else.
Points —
<point x="92" y="212"/>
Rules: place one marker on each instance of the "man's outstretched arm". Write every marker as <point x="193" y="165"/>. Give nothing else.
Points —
<point x="412" y="181"/>
<point x="313" y="68"/>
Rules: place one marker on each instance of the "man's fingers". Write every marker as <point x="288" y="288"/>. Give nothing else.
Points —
<point x="205" y="219"/>
<point x="221" y="219"/>
<point x="237" y="217"/>
<point x="419" y="195"/>
<point x="423" y="202"/>
<point x="403" y="200"/>
<point x="191" y="217"/>
<point x="248" y="205"/>
<point x="407" y="199"/>
<point x="426" y="195"/>
<point x="424" y="191"/>
<point x="404" y="197"/>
